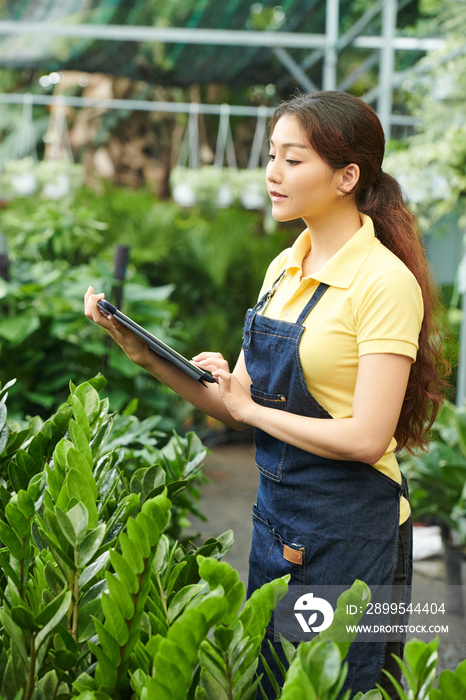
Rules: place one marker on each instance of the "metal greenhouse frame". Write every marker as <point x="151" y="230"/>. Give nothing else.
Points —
<point x="322" y="47"/>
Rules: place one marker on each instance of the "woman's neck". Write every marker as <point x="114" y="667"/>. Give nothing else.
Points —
<point x="328" y="237"/>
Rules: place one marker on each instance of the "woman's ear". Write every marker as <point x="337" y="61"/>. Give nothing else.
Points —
<point x="349" y="178"/>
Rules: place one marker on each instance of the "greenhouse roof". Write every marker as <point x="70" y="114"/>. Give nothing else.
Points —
<point x="74" y="34"/>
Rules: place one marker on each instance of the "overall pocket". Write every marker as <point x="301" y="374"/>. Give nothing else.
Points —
<point x="271" y="557"/>
<point x="270" y="453"/>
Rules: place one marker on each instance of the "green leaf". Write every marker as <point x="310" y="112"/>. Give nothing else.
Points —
<point x="322" y="664"/>
<point x="222" y="574"/>
<point x="357" y="597"/>
<point x="175" y="573"/>
<point x="106" y="672"/>
<point x="212" y="662"/>
<point x="67" y="527"/>
<point x="81" y="418"/>
<point x="60" y="460"/>
<point x="453" y="684"/>
<point x="90" y="610"/>
<point x="95" y="567"/>
<point x="79" y="462"/>
<point x="182" y="598"/>
<point x="7" y="568"/>
<point x="88" y="396"/>
<point x="120" y="596"/>
<point x="139" y="530"/>
<point x="90" y="544"/>
<point x="51" y="615"/>
<point x="115" y="622"/>
<point x="146" y="480"/>
<point x="21" y="469"/>
<point x="79" y="519"/>
<point x="17" y="329"/>
<point x="15" y="634"/>
<point x="186" y="633"/>
<point x="11" y="540"/>
<point x="132" y="553"/>
<point x="124" y="571"/>
<point x="79" y="488"/>
<point x="53" y="482"/>
<point x="17" y="520"/>
<point x="257" y="610"/>
<point x="23" y="617"/>
<point x="26" y="504"/>
<point x="108" y="643"/>
<point x="81" y="442"/>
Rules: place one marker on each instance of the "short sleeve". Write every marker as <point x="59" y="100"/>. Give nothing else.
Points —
<point x="389" y="316"/>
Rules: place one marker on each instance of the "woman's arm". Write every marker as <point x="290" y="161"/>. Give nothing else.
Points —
<point x="380" y="389"/>
<point x="206" y="398"/>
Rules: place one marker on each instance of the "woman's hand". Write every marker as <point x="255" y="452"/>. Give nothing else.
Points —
<point x="237" y="400"/>
<point x="134" y="347"/>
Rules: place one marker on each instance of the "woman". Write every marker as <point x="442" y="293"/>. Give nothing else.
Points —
<point x="337" y="368"/>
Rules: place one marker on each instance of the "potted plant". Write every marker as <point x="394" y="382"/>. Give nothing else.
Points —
<point x="437" y="481"/>
<point x="22" y="176"/>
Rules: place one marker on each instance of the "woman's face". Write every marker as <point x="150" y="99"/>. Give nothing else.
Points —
<point x="300" y="183"/>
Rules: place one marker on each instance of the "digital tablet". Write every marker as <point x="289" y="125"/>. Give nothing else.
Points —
<point x="156" y="345"/>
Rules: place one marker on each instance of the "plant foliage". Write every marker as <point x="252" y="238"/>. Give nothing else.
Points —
<point x="99" y="599"/>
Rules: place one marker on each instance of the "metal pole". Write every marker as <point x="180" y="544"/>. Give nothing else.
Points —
<point x="135" y="105"/>
<point x="461" y="379"/>
<point x="215" y="37"/>
<point x="331" y="50"/>
<point x="387" y="65"/>
<point x="4" y="261"/>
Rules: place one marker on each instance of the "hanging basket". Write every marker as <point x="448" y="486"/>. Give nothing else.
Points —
<point x="221" y="188"/>
<point x="59" y="178"/>
<point x="20" y="177"/>
<point x="55" y="179"/>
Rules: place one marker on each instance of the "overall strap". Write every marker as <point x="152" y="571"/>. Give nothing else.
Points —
<point x="316" y="297"/>
<point x="269" y="294"/>
<point x="252" y="313"/>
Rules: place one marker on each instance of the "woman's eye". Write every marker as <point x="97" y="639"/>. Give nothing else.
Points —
<point x="293" y="162"/>
<point x="271" y="156"/>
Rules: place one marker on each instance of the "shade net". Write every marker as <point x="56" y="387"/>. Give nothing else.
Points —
<point x="179" y="64"/>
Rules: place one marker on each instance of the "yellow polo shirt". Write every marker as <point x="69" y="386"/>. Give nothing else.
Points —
<point x="373" y="305"/>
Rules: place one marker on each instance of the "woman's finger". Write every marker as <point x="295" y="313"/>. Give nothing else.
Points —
<point x="207" y="355"/>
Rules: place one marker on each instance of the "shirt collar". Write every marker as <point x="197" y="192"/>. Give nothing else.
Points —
<point x="343" y="267"/>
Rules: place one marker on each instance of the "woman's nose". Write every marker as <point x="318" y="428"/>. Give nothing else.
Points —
<point x="273" y="172"/>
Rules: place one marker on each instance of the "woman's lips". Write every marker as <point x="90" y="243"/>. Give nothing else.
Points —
<point x="276" y="196"/>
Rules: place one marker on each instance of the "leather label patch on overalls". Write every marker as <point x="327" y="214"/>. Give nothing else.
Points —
<point x="293" y="555"/>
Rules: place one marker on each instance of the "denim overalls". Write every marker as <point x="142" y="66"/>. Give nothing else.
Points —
<point x="324" y="521"/>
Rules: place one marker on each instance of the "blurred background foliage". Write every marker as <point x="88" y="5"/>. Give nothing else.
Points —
<point x="186" y="282"/>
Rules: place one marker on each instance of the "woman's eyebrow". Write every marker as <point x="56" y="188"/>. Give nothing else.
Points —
<point x="291" y="144"/>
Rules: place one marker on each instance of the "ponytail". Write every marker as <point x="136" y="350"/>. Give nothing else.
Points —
<point x="397" y="229"/>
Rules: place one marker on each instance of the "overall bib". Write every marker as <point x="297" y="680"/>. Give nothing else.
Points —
<point x="323" y="521"/>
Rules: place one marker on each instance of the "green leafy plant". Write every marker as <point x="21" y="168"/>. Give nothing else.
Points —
<point x="55" y="252"/>
<point x="438" y="477"/>
<point x="100" y="600"/>
<point x="419" y="671"/>
<point x="65" y="522"/>
<point x="186" y="282"/>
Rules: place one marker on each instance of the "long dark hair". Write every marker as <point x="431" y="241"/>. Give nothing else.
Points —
<point x="343" y="129"/>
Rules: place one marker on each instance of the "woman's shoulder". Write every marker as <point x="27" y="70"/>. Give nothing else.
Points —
<point x="384" y="278"/>
<point x="383" y="264"/>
